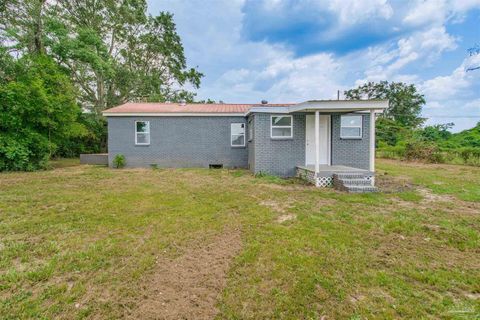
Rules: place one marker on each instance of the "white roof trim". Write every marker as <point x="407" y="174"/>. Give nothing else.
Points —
<point x="327" y="106"/>
<point x="171" y="114"/>
<point x="340" y="105"/>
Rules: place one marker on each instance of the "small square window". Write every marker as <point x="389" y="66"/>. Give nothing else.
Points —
<point x="351" y="127"/>
<point x="281" y="127"/>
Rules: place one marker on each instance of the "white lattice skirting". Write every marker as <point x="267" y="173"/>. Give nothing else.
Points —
<point x="324" y="182"/>
<point x="308" y="175"/>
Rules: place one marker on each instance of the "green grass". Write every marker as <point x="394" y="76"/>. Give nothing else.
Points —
<point x="81" y="241"/>
<point x="458" y="180"/>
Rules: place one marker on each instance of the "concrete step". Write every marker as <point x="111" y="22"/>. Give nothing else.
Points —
<point x="356" y="182"/>
<point x="360" y="189"/>
<point x="349" y="175"/>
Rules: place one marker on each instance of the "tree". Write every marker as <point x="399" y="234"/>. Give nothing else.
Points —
<point x="21" y="21"/>
<point x="116" y="53"/>
<point x="437" y="132"/>
<point x="37" y="111"/>
<point x="405" y="103"/>
<point x="112" y="51"/>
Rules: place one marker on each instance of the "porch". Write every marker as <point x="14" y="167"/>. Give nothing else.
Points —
<point x="325" y="174"/>
<point x="318" y="158"/>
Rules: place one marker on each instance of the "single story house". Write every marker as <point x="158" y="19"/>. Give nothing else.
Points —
<point x="313" y="139"/>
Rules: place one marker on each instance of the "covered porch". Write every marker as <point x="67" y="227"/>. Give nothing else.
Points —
<point x="319" y="169"/>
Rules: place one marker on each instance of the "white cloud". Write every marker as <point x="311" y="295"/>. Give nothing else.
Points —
<point x="353" y="11"/>
<point x="425" y="12"/>
<point x="453" y="98"/>
<point x="437" y="12"/>
<point x="447" y="87"/>
<point x="386" y="62"/>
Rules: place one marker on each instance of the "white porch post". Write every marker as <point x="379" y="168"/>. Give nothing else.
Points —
<point x="372" y="140"/>
<point x="317" y="143"/>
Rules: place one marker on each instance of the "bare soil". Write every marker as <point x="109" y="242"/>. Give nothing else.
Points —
<point x="188" y="287"/>
<point x="392" y="184"/>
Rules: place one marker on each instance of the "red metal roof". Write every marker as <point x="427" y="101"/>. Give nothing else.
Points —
<point x="187" y="108"/>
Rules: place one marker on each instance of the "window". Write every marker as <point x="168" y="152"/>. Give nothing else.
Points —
<point x="281" y="127"/>
<point x="142" y="132"/>
<point x="351" y="127"/>
<point x="237" y="134"/>
<point x="250" y="129"/>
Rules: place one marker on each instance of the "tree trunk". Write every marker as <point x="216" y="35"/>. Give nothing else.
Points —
<point x="38" y="27"/>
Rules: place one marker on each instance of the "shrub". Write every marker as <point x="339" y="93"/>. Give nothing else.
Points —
<point x="38" y="111"/>
<point x="469" y="154"/>
<point x="119" y="161"/>
<point x="391" y="152"/>
<point x="422" y="150"/>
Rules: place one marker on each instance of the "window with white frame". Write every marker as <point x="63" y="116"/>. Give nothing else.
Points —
<point x="237" y="134"/>
<point x="142" y="132"/>
<point x="351" y="126"/>
<point x="281" y="127"/>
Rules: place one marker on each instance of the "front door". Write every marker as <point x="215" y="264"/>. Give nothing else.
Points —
<point x="324" y="140"/>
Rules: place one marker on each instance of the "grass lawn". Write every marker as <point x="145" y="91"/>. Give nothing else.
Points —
<point x="92" y="242"/>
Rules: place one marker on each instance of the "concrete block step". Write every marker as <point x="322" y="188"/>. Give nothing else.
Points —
<point x="349" y="175"/>
<point x="356" y="182"/>
<point x="361" y="189"/>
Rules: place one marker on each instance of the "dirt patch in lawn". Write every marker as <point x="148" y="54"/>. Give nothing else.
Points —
<point x="279" y="206"/>
<point x="188" y="287"/>
<point x="393" y="184"/>
<point x="286" y="217"/>
<point x="429" y="196"/>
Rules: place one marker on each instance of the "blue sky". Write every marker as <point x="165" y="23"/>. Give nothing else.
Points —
<point x="292" y="50"/>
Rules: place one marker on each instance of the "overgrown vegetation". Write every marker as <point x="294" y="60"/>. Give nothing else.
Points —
<point x="434" y="144"/>
<point x="400" y="132"/>
<point x="84" y="242"/>
<point x="63" y="62"/>
<point x="38" y="111"/>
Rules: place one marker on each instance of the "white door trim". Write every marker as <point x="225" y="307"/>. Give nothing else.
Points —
<point x="328" y="141"/>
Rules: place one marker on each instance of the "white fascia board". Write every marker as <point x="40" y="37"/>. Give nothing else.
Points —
<point x="327" y="106"/>
<point x="172" y="114"/>
<point x="340" y="105"/>
<point x="277" y="110"/>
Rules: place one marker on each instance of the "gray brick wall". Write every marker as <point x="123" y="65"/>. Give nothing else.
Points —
<point x="177" y="142"/>
<point x="278" y="156"/>
<point x="351" y="152"/>
<point x="200" y="141"/>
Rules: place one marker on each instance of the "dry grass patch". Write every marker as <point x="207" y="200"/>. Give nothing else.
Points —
<point x="188" y="286"/>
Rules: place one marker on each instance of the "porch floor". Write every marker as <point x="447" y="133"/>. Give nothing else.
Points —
<point x="327" y="169"/>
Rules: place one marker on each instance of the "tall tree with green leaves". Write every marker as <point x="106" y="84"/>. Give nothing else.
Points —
<point x="21" y="25"/>
<point x="116" y="53"/>
<point x="405" y="102"/>
<point x="113" y="50"/>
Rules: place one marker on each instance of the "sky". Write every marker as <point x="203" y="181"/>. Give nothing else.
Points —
<point x="292" y="50"/>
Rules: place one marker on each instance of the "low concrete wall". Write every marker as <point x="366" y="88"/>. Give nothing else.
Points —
<point x="94" y="158"/>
